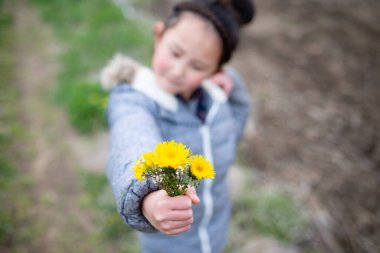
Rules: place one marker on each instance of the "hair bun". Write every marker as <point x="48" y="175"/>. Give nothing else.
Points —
<point x="227" y="16"/>
<point x="244" y="10"/>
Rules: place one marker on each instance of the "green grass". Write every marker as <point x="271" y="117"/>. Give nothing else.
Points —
<point x="14" y="201"/>
<point x="271" y="213"/>
<point x="111" y="233"/>
<point x="259" y="212"/>
<point x="90" y="32"/>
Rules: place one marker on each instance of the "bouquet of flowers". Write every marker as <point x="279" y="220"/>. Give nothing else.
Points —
<point x="173" y="167"/>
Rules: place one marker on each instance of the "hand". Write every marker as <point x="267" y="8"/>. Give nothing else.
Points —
<point x="170" y="215"/>
<point x="223" y="81"/>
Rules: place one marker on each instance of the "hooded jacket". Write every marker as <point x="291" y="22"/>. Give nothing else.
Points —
<point x="140" y="115"/>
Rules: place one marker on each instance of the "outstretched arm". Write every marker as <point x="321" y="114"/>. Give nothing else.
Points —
<point x="133" y="131"/>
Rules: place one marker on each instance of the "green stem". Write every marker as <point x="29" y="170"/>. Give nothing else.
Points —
<point x="169" y="184"/>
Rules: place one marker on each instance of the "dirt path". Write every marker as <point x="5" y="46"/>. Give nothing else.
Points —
<point x="311" y="69"/>
<point x="58" y="220"/>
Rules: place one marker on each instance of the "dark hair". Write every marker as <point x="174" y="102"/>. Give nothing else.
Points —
<point x="227" y="16"/>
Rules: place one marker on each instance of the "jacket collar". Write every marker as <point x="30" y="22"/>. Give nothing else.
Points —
<point x="145" y="82"/>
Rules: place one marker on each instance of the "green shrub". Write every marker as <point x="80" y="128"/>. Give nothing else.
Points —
<point x="86" y="107"/>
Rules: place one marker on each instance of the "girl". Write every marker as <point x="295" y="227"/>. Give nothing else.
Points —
<point x="178" y="100"/>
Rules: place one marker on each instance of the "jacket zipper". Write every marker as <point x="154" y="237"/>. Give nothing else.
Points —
<point x="207" y="196"/>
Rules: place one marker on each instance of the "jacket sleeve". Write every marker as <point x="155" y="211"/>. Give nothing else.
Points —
<point x="133" y="131"/>
<point x="239" y="100"/>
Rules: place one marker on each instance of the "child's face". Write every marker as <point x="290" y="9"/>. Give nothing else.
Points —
<point x="185" y="54"/>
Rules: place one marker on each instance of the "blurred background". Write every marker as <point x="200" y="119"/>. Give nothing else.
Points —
<point x="307" y="175"/>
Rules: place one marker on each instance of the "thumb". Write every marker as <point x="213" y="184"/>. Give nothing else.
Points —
<point x="192" y="194"/>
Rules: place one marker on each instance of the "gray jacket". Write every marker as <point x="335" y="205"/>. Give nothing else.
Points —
<point x="140" y="115"/>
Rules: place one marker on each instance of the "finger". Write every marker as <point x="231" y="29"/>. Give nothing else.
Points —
<point x="181" y="215"/>
<point x="228" y="88"/>
<point x="226" y="84"/>
<point x="192" y="194"/>
<point x="179" y="203"/>
<point x="177" y="231"/>
<point x="170" y="225"/>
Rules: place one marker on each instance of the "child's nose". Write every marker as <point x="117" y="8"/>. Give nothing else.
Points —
<point x="179" y="69"/>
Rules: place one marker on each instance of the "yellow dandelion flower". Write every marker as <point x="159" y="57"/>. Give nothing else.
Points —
<point x="145" y="162"/>
<point x="171" y="154"/>
<point x="139" y="169"/>
<point x="150" y="159"/>
<point x="201" y="168"/>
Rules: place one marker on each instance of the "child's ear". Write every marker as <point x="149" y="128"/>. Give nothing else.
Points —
<point x="158" y="30"/>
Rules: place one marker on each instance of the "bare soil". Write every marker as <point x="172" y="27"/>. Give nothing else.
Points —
<point x="312" y="67"/>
